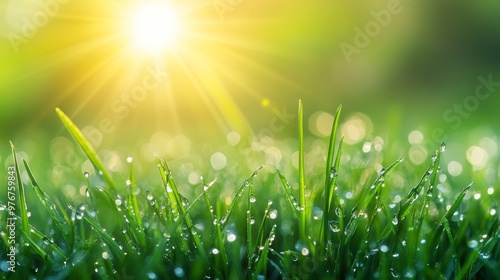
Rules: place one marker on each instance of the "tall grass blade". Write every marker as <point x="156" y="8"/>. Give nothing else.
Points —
<point x="87" y="148"/>
<point x="329" y="172"/>
<point x="133" y="207"/>
<point x="22" y="198"/>
<point x="302" y="195"/>
<point x="250" y="222"/>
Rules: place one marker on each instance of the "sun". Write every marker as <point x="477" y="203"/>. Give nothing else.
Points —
<point x="155" y="27"/>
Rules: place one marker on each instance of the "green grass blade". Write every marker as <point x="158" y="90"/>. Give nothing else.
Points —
<point x="69" y="222"/>
<point x="159" y="213"/>
<point x="107" y="238"/>
<point x="294" y="204"/>
<point x="439" y="229"/>
<point x="22" y="197"/>
<point x="222" y="262"/>
<point x="260" y="232"/>
<point x="182" y="211"/>
<point x="49" y="206"/>
<point x="237" y="196"/>
<point x="172" y="204"/>
<point x="250" y="223"/>
<point x="49" y="242"/>
<point x="87" y="148"/>
<point x="330" y="193"/>
<point x="260" y="267"/>
<point x="334" y="174"/>
<point x="132" y="208"/>
<point x="302" y="195"/>
<point x="329" y="172"/>
<point x="370" y="193"/>
<point x="37" y="249"/>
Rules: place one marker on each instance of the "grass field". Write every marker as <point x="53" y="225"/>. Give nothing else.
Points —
<point x="333" y="212"/>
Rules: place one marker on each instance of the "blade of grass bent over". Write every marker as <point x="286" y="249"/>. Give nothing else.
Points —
<point x="87" y="148"/>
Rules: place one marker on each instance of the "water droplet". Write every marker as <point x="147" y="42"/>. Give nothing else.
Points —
<point x="333" y="173"/>
<point x="409" y="273"/>
<point x="185" y="201"/>
<point x="394" y="273"/>
<point x="253" y="199"/>
<point x="247" y="183"/>
<point x="130" y="159"/>
<point x="252" y="221"/>
<point x="273" y="214"/>
<point x="395" y="220"/>
<point x="304" y="251"/>
<point x="334" y="226"/>
<point x="179" y="272"/>
<point x="231" y="237"/>
<point x="86" y="174"/>
<point x="384" y="248"/>
<point x="485" y="255"/>
<point x="443" y="147"/>
<point x="433" y="159"/>
<point x="215" y="251"/>
<point x="152" y="275"/>
<point x="338" y="212"/>
<point x="149" y="196"/>
<point x="472" y="243"/>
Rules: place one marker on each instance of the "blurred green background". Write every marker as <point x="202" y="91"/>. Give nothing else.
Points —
<point x="237" y="73"/>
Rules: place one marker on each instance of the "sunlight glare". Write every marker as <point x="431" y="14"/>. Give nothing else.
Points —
<point x="155" y="27"/>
